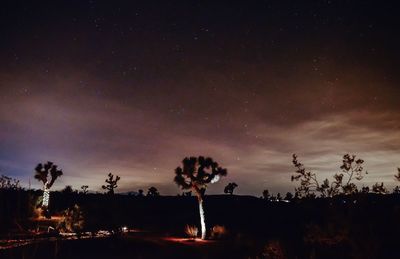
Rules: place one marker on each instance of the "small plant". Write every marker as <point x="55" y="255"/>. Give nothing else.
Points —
<point x="191" y="231"/>
<point x="218" y="232"/>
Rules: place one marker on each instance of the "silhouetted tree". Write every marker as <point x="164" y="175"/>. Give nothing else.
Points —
<point x="379" y="188"/>
<point x="140" y="193"/>
<point x="266" y="194"/>
<point x="397" y="176"/>
<point x="230" y="188"/>
<point x="353" y="169"/>
<point x="111" y="183"/>
<point x="309" y="186"/>
<point x="84" y="189"/>
<point x="278" y="197"/>
<point x="289" y="196"/>
<point x="8" y="183"/>
<point x="67" y="189"/>
<point x="195" y="174"/>
<point x="152" y="192"/>
<point x="42" y="172"/>
<point x="396" y="190"/>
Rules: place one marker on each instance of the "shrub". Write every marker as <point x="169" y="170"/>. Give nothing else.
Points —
<point x="191" y="231"/>
<point x="218" y="232"/>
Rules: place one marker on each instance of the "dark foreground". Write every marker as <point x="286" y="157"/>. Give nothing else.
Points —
<point x="135" y="246"/>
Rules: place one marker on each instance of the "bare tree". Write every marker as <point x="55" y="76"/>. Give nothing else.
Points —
<point x="195" y="174"/>
<point x="352" y="169"/>
<point x="111" y="183"/>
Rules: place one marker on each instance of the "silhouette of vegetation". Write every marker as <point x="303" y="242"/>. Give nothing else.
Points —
<point x="8" y="183"/>
<point x="152" y="192"/>
<point x="68" y="189"/>
<point x="397" y="176"/>
<point x="111" y="183"/>
<point x="266" y="194"/>
<point x="42" y="172"/>
<point x="140" y="193"/>
<point x="379" y="188"/>
<point x="230" y="188"/>
<point x="84" y="189"/>
<point x="195" y="174"/>
<point x="289" y="196"/>
<point x="310" y="187"/>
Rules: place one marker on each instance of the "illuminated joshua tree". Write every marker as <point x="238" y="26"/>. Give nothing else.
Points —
<point x="195" y="174"/>
<point x="230" y="188"/>
<point x="42" y="172"/>
<point x="111" y="183"/>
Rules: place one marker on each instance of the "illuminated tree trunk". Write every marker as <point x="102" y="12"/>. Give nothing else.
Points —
<point x="46" y="196"/>
<point x="202" y="219"/>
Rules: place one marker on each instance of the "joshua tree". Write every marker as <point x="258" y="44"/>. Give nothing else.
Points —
<point x="195" y="174"/>
<point x="111" y="183"/>
<point x="84" y="189"/>
<point x="230" y="188"/>
<point x="42" y="172"/>
<point x="153" y="192"/>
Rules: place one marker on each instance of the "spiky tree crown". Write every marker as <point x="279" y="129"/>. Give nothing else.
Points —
<point x="42" y="172"/>
<point x="197" y="172"/>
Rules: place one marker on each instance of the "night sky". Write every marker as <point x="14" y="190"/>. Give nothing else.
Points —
<point x="100" y="87"/>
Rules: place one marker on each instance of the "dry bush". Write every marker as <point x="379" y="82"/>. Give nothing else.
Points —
<point x="191" y="231"/>
<point x="218" y="232"/>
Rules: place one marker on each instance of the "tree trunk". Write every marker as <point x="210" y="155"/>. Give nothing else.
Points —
<point x="46" y="196"/>
<point x="202" y="219"/>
